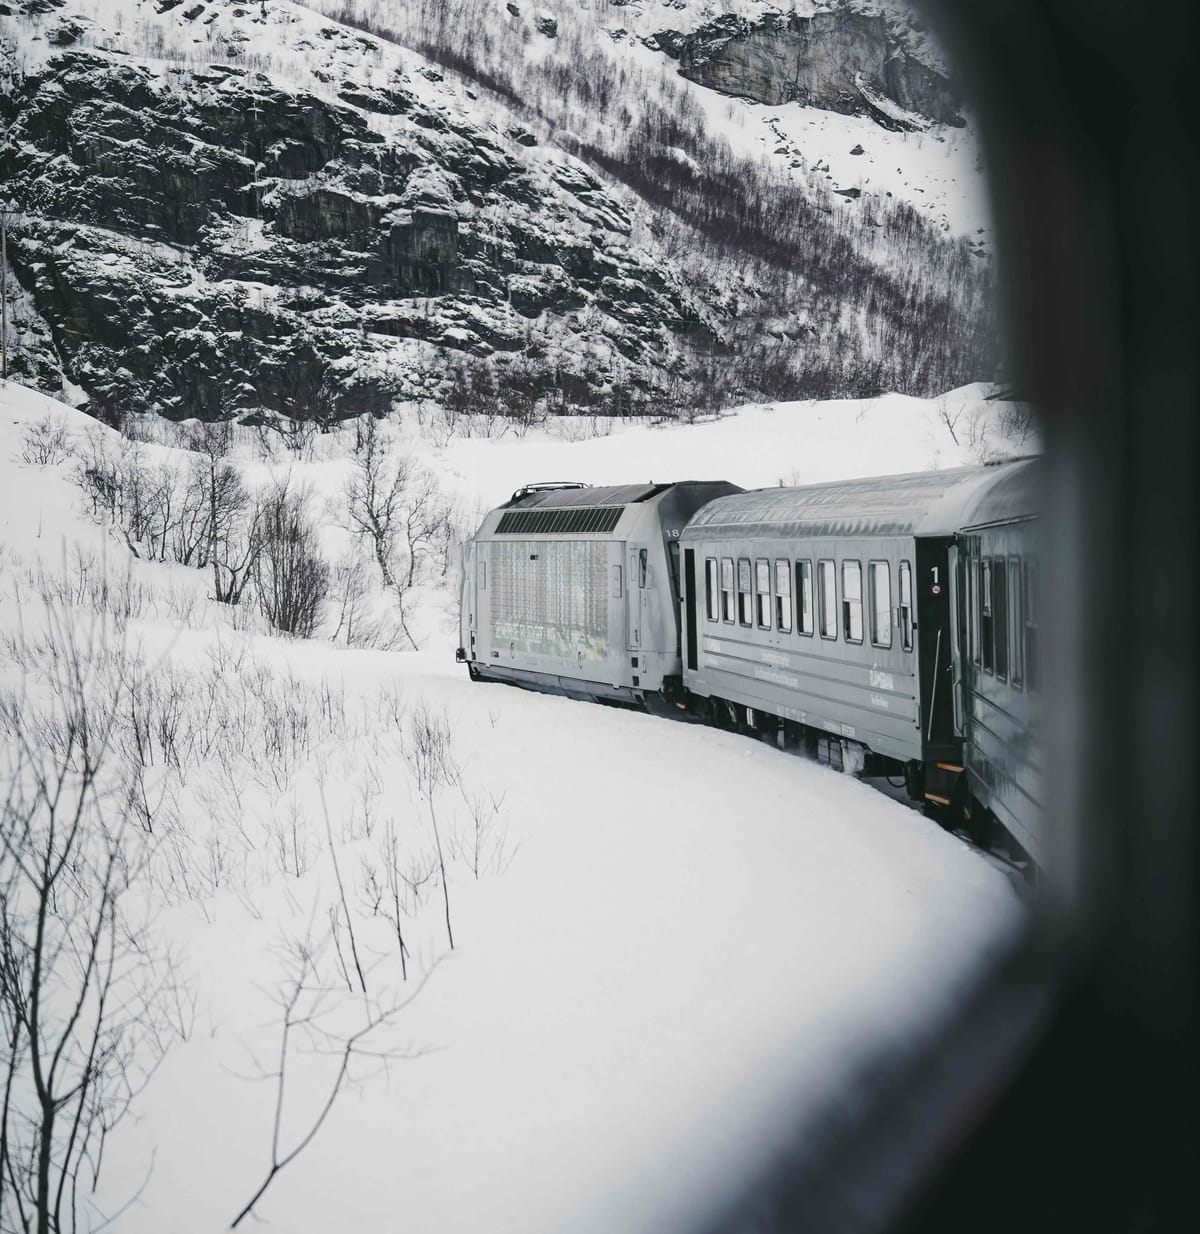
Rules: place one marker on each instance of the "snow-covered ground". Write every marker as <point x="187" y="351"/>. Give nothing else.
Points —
<point x="756" y="446"/>
<point x="668" y="940"/>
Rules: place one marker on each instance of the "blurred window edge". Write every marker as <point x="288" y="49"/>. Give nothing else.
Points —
<point x="1061" y="1091"/>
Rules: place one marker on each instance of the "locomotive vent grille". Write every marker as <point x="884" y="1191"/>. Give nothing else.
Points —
<point x="566" y="521"/>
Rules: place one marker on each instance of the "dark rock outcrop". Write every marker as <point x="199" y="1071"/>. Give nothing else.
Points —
<point x="841" y="60"/>
<point x="217" y="246"/>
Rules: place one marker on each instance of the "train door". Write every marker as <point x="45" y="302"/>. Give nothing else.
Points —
<point x="953" y="571"/>
<point x="481" y="609"/>
<point x="689" y="607"/>
<point x="638" y="592"/>
<point x="468" y="626"/>
<point x="935" y="661"/>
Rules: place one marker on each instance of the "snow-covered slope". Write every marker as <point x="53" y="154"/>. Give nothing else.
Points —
<point x="668" y="941"/>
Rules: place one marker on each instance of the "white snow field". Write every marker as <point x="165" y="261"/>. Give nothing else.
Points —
<point x="668" y="941"/>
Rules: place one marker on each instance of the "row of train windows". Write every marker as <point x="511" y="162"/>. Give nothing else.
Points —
<point x="765" y="597"/>
<point x="1003" y="636"/>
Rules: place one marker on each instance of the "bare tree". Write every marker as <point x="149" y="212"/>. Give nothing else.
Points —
<point x="378" y="507"/>
<point x="427" y="524"/>
<point x="291" y="577"/>
<point x="78" y="980"/>
<point x="231" y="519"/>
<point x="950" y="420"/>
<point x="306" y="1008"/>
<point x="376" y="496"/>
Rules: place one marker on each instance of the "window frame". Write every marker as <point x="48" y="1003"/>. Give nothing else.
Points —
<point x="987" y="626"/>
<point x="745" y="593"/>
<point x="762" y="608"/>
<point x="1032" y="621"/>
<point x="712" y="589"/>
<point x="907" y="627"/>
<point x="781" y="595"/>
<point x="728" y="594"/>
<point x="872" y="563"/>
<point x="804" y="573"/>
<point x="822" y="562"/>
<point x="1016" y="660"/>
<point x="847" y="611"/>
<point x="1000" y="617"/>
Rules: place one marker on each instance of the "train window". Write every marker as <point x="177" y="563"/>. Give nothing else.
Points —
<point x="483" y="575"/>
<point x="906" y="606"/>
<point x="1015" y="674"/>
<point x="973" y="609"/>
<point x="881" y="603"/>
<point x="783" y="596"/>
<point x="711" y="589"/>
<point x="745" y="595"/>
<point x="826" y="586"/>
<point x="986" y="624"/>
<point x="1000" y="620"/>
<point x="762" y="593"/>
<point x="726" y="588"/>
<point x="673" y="562"/>
<point x="852" y="614"/>
<point x="642" y="569"/>
<point x="804" y="591"/>
<point x="1032" y="649"/>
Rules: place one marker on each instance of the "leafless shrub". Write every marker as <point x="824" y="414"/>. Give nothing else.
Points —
<point x="309" y="1013"/>
<point x="231" y="527"/>
<point x="429" y="754"/>
<point x="290" y="841"/>
<point x="483" y="843"/>
<point x="45" y="443"/>
<point x="291" y="577"/>
<point x="98" y="474"/>
<point x="297" y="437"/>
<point x="1017" y="423"/>
<point x="359" y="621"/>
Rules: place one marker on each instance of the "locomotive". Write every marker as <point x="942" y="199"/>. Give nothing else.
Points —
<point x="889" y="625"/>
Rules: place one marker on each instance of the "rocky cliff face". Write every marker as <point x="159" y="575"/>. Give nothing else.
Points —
<point x="841" y="60"/>
<point x="233" y="209"/>
<point x="277" y="242"/>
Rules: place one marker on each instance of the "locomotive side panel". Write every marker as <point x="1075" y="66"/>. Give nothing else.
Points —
<point x="576" y="590"/>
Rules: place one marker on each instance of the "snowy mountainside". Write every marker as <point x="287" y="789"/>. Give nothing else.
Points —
<point x="313" y="210"/>
<point x="536" y="1075"/>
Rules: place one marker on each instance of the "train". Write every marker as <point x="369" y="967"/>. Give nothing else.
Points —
<point x="890" y="626"/>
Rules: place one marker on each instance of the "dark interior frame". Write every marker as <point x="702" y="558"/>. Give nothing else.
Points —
<point x="1063" y="1092"/>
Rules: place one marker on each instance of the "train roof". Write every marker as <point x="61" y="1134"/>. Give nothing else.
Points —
<point x="926" y="503"/>
<point x="597" y="511"/>
<point x="1013" y="495"/>
<point x="565" y="496"/>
